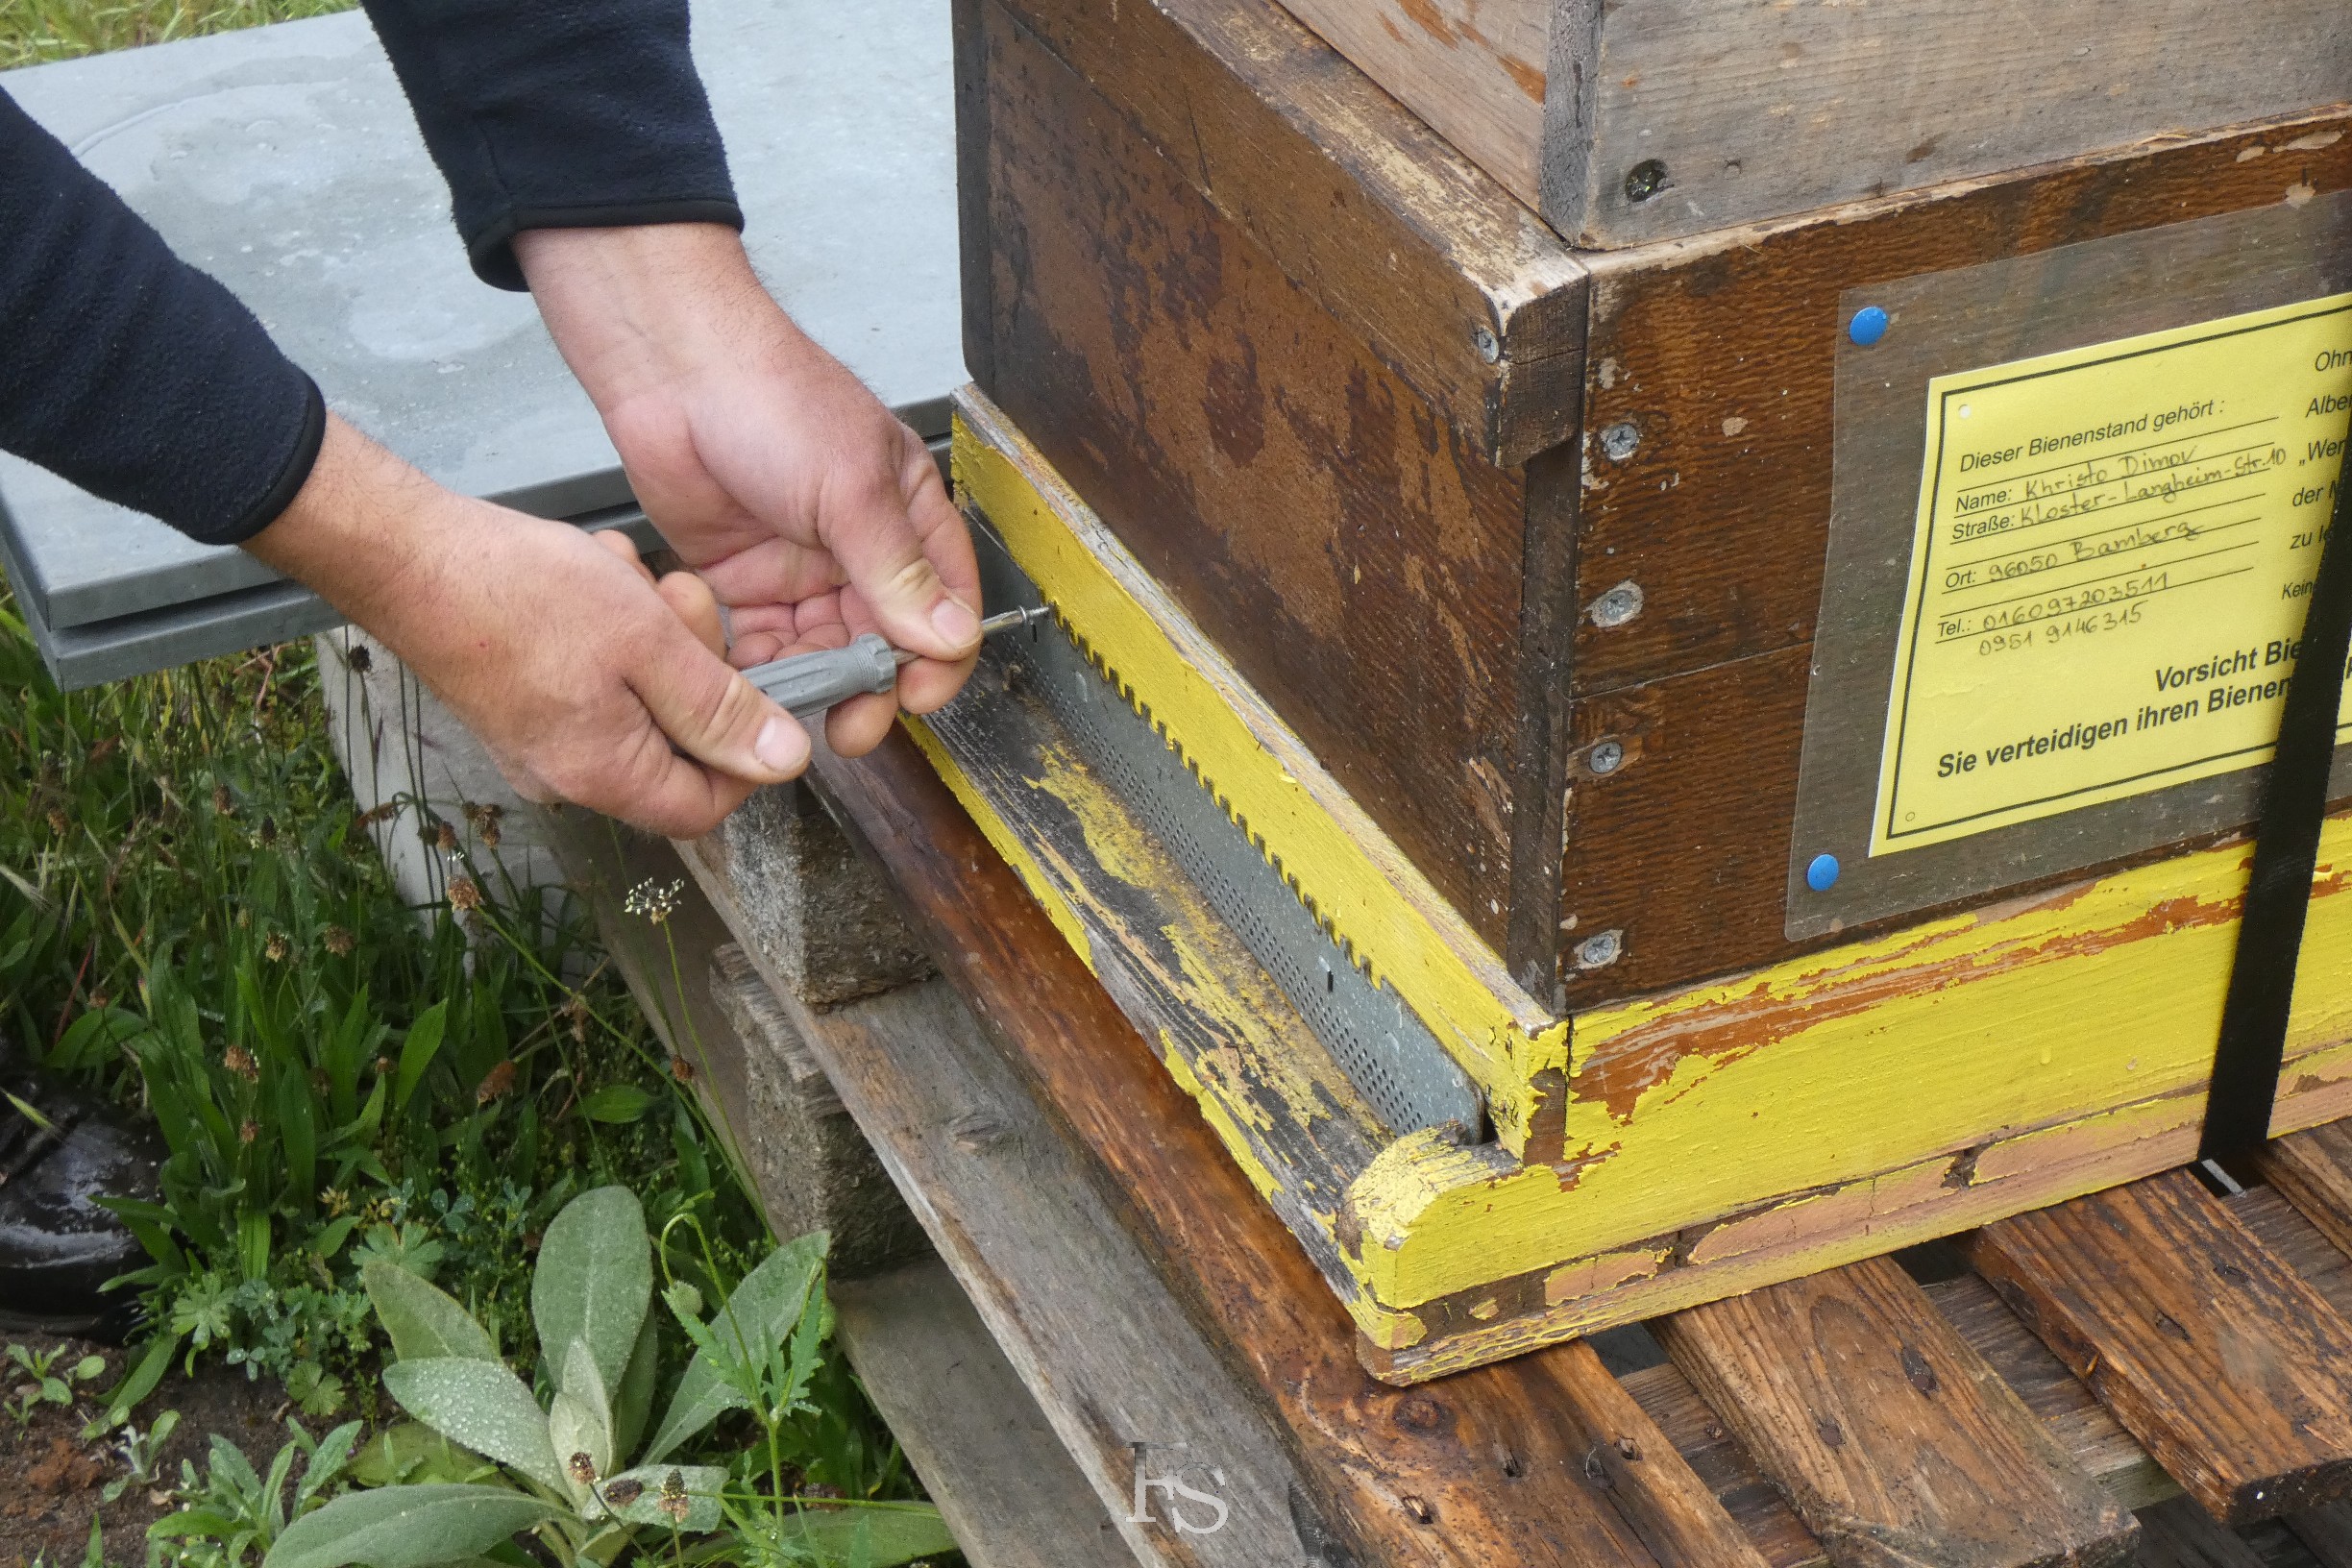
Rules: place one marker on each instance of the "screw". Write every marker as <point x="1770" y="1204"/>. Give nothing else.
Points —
<point x="1619" y="441"/>
<point x="1485" y="342"/>
<point x="1619" y="605"/>
<point x="1599" y="952"/>
<point x="1605" y="757"/>
<point x="1645" y="179"/>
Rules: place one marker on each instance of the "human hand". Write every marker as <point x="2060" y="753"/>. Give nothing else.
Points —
<point x="586" y="681"/>
<point x="811" y="512"/>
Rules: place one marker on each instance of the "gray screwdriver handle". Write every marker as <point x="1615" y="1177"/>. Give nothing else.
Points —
<point x="806" y="684"/>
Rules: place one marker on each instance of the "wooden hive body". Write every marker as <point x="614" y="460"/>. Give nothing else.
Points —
<point x="1635" y="120"/>
<point x="1311" y="431"/>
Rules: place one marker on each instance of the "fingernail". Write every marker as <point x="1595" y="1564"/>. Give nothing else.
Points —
<point x="955" y="624"/>
<point x="781" y="747"/>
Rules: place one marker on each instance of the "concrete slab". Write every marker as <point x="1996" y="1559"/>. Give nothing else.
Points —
<point x="284" y="161"/>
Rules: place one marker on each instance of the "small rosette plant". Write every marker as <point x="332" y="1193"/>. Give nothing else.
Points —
<point x="565" y="1471"/>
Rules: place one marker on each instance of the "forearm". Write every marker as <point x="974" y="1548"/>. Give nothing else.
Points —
<point x="127" y="372"/>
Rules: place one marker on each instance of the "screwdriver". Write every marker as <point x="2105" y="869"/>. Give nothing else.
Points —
<point x="806" y="684"/>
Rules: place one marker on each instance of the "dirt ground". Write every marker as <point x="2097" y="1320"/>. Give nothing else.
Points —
<point x="51" y="1482"/>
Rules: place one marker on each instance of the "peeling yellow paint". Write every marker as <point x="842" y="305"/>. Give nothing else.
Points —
<point x="1380" y="908"/>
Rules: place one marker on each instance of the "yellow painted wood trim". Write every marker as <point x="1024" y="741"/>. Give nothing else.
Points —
<point x="1368" y="895"/>
<point x="1808" y="1231"/>
<point x="1862" y="1058"/>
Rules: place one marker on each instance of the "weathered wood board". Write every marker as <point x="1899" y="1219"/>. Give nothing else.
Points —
<point x="1654" y="120"/>
<point x="1892" y="1438"/>
<point x="2222" y="1360"/>
<point x="1298" y="356"/>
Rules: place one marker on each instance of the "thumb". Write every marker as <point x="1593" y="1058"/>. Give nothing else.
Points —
<point x="713" y="715"/>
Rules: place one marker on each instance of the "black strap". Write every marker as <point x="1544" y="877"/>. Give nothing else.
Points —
<point x="2253" y="1040"/>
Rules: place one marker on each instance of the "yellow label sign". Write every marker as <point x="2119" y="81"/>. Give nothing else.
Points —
<point x="2109" y="576"/>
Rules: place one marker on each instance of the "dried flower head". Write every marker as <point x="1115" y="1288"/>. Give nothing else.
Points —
<point x="104" y="749"/>
<point x="465" y="895"/>
<point x="222" y="805"/>
<point x="673" y="1498"/>
<point x="340" y="942"/>
<point x="269" y="831"/>
<point x="59" y="823"/>
<point x="275" y="948"/>
<point x="383" y="1067"/>
<point x="575" y="1013"/>
<point x="496" y="1082"/>
<point x="620" y="1493"/>
<point x="582" y="1468"/>
<point x="359" y="658"/>
<point x="445" y="837"/>
<point x="653" y="900"/>
<point x="681" y="1070"/>
<point x="240" y="1061"/>
<point x="244" y="919"/>
<point x="484" y="820"/>
<point x="249" y="1132"/>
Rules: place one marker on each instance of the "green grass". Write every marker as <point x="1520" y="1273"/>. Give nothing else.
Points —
<point x="32" y="31"/>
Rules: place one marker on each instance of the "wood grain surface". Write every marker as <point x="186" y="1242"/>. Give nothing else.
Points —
<point x="1488" y="1468"/>
<point x="1752" y="112"/>
<point x="1889" y="1436"/>
<point x="2180" y="1534"/>
<point x="1284" y="137"/>
<point x="2231" y="1370"/>
<point x="1353" y="552"/>
<point x="2314" y="1171"/>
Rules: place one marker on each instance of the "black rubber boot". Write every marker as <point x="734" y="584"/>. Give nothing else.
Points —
<point x="57" y="1246"/>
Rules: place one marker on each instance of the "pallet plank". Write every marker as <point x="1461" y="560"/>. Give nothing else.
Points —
<point x="1488" y="1468"/>
<point x="2213" y="1352"/>
<point x="2180" y="1534"/>
<point x="984" y="1450"/>
<point x="2326" y="1534"/>
<point x="1891" y="1438"/>
<point x="2082" y="1426"/>
<point x="2314" y="1171"/>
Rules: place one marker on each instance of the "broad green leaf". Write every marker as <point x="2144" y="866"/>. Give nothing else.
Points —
<point x="422" y="1319"/>
<point x="757" y="1318"/>
<point x="632" y="1403"/>
<point x="877" y="1538"/>
<point x="654" y="1488"/>
<point x="406" y="1526"/>
<point x="410" y="1451"/>
<point x="417" y="1052"/>
<point x="481" y="1406"/>
<point x="140" y="1381"/>
<point x="595" y="1279"/>
<point x="579" y="1423"/>
<point x="616" y="1104"/>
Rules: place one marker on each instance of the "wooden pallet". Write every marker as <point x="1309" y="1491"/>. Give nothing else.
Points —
<point x="1883" y="1412"/>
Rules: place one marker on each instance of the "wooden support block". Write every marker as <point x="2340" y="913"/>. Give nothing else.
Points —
<point x="1489" y="1468"/>
<point x="2180" y="1534"/>
<point x="814" y="1169"/>
<point x="2231" y="1370"/>
<point x="819" y="920"/>
<point x="2313" y="1170"/>
<point x="2289" y="1234"/>
<point x="1892" y="1438"/>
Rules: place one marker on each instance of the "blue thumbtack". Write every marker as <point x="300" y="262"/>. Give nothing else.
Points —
<point x="1822" y="874"/>
<point x="1868" y="326"/>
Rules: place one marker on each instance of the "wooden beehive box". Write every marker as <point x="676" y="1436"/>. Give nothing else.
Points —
<point x="1551" y="600"/>
<point x="1635" y="121"/>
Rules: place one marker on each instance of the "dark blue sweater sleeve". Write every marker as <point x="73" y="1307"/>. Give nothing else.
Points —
<point x="129" y="371"/>
<point x="558" y="114"/>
